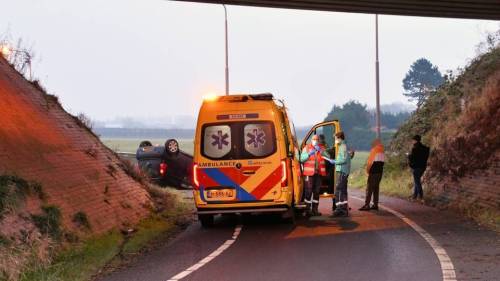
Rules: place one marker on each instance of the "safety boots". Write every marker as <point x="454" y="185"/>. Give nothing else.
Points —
<point x="341" y="211"/>
<point x="308" y="212"/>
<point x="315" y="211"/>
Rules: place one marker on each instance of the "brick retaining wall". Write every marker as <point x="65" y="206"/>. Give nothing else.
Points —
<point x="41" y="142"/>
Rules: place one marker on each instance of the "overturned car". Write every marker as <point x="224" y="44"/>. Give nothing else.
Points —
<point x="165" y="165"/>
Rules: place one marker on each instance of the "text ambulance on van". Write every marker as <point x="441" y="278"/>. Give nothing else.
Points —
<point x="246" y="157"/>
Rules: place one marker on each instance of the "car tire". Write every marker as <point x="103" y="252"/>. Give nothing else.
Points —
<point x="145" y="143"/>
<point x="172" y="147"/>
<point x="206" y="220"/>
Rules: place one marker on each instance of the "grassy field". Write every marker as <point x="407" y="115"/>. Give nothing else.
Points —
<point x="392" y="184"/>
<point x="359" y="160"/>
<point x="131" y="145"/>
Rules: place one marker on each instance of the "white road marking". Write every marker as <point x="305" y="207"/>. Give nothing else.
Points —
<point x="210" y="257"/>
<point x="447" y="268"/>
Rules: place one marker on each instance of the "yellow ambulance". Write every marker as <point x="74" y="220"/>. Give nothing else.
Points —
<point x="246" y="157"/>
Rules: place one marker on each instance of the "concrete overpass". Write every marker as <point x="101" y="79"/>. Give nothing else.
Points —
<point x="468" y="9"/>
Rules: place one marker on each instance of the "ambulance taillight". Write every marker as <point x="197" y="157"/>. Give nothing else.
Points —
<point x="284" y="174"/>
<point x="195" y="176"/>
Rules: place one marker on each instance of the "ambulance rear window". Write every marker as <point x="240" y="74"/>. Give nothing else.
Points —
<point x="217" y="141"/>
<point x="238" y="140"/>
<point x="259" y="141"/>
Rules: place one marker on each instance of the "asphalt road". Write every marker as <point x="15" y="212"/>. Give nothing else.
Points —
<point x="364" y="246"/>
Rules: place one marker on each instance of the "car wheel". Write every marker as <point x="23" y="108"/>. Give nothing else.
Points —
<point x="206" y="220"/>
<point x="172" y="147"/>
<point x="145" y="143"/>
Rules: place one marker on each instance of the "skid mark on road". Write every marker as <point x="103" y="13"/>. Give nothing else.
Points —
<point x="210" y="257"/>
<point x="447" y="268"/>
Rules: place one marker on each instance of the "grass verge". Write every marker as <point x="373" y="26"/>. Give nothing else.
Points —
<point x="485" y="217"/>
<point x="399" y="183"/>
<point x="359" y="160"/>
<point x="392" y="184"/>
<point x="82" y="261"/>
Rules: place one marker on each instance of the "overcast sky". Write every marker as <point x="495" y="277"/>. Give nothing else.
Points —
<point x="155" y="58"/>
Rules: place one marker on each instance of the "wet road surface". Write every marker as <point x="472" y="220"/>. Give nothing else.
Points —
<point x="373" y="245"/>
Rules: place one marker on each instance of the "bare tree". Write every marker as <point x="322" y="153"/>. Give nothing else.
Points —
<point x="20" y="56"/>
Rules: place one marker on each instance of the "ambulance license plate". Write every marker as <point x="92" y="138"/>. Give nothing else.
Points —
<point x="221" y="194"/>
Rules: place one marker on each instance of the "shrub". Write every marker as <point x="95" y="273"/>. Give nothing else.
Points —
<point x="81" y="219"/>
<point x="84" y="121"/>
<point x="129" y="169"/>
<point x="49" y="222"/>
<point x="4" y="241"/>
<point x="14" y="190"/>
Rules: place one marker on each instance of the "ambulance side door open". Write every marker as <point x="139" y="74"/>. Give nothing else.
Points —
<point x="326" y="131"/>
<point x="292" y="148"/>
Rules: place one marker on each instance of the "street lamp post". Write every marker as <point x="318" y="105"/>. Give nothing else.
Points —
<point x="227" y="55"/>
<point x="377" y="83"/>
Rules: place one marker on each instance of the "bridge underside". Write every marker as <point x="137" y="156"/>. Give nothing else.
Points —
<point x="471" y="9"/>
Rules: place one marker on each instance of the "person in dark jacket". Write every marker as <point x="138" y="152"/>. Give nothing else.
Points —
<point x="374" y="169"/>
<point x="418" y="163"/>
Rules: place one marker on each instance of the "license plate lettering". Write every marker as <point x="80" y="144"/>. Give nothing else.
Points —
<point x="220" y="194"/>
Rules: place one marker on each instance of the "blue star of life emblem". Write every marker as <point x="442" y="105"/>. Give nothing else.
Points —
<point x="256" y="138"/>
<point x="220" y="139"/>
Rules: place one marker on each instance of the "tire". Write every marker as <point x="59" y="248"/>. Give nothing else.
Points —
<point x="206" y="221"/>
<point x="289" y="216"/>
<point x="171" y="147"/>
<point x="145" y="143"/>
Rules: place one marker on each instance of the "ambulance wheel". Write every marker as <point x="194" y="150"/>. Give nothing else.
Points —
<point x="289" y="216"/>
<point x="299" y="213"/>
<point x="206" y="220"/>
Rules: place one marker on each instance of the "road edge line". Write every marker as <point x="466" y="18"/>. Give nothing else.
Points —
<point x="447" y="268"/>
<point x="210" y="257"/>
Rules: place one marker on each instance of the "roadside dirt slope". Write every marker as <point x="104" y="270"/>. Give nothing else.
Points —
<point x="461" y="123"/>
<point x="41" y="142"/>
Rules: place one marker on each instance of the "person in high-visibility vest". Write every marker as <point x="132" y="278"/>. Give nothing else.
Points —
<point x="313" y="169"/>
<point x="374" y="169"/>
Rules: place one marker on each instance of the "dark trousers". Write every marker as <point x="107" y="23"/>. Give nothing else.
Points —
<point x="418" y="192"/>
<point x="341" y="190"/>
<point x="372" y="188"/>
<point x="312" y="185"/>
<point x="330" y="173"/>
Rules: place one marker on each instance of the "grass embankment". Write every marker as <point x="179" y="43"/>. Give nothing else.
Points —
<point x="458" y="152"/>
<point x="86" y="259"/>
<point x="395" y="181"/>
<point x="131" y="145"/>
<point x="359" y="160"/>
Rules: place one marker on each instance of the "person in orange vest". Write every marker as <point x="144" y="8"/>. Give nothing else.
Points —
<point x="374" y="169"/>
<point x="314" y="168"/>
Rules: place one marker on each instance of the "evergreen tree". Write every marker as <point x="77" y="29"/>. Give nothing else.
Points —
<point x="355" y="121"/>
<point x="422" y="79"/>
